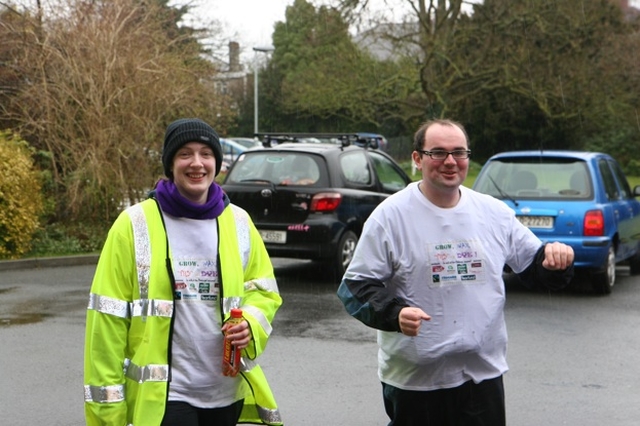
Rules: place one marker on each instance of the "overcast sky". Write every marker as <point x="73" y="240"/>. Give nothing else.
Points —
<point x="250" y="22"/>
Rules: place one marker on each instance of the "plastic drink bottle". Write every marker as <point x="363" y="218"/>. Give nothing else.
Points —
<point x="231" y="355"/>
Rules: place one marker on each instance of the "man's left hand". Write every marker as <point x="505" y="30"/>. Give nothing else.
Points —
<point x="557" y="256"/>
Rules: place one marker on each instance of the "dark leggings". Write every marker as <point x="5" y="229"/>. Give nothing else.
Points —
<point x="182" y="414"/>
<point x="470" y="404"/>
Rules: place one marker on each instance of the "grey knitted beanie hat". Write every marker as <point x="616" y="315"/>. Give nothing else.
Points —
<point x="186" y="130"/>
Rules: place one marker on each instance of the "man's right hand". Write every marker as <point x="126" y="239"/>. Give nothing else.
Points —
<point x="410" y="319"/>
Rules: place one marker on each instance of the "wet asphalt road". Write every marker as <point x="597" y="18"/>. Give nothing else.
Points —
<point x="574" y="357"/>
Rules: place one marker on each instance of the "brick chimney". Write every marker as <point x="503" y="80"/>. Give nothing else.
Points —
<point x="234" y="56"/>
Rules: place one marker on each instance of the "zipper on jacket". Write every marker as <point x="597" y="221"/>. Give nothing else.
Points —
<point x="172" y="283"/>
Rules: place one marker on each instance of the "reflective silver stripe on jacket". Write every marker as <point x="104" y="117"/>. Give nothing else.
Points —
<point x="258" y="315"/>
<point x="104" y="394"/>
<point x="152" y="308"/>
<point x="138" y="308"/>
<point x="247" y="364"/>
<point x="142" y="245"/>
<point x="109" y="305"/>
<point x="244" y="247"/>
<point x="264" y="284"/>
<point x="147" y="373"/>
<point x="269" y="416"/>
<point x="242" y="231"/>
<point x="229" y="303"/>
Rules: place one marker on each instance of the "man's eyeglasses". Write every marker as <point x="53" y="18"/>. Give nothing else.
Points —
<point x="458" y="154"/>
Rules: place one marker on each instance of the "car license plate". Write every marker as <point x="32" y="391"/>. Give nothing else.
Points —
<point x="278" y="237"/>
<point x="536" y="221"/>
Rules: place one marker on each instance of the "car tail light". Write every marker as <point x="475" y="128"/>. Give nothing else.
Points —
<point x="325" y="202"/>
<point x="594" y="223"/>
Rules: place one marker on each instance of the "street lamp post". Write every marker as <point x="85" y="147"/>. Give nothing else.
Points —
<point x="265" y="49"/>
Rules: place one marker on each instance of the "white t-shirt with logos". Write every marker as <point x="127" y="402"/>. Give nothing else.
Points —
<point x="196" y="354"/>
<point x="449" y="263"/>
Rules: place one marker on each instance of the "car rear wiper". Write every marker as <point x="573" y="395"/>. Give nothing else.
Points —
<point x="502" y="193"/>
<point x="265" y="181"/>
<point x="256" y="180"/>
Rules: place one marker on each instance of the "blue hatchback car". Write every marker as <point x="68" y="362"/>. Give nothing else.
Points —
<point x="582" y="199"/>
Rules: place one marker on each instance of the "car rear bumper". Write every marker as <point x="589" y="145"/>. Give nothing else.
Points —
<point x="301" y="251"/>
<point x="310" y="240"/>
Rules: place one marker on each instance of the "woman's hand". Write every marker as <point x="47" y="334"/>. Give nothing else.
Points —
<point x="238" y="334"/>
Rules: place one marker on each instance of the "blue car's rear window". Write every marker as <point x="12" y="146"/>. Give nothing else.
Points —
<point x="535" y="178"/>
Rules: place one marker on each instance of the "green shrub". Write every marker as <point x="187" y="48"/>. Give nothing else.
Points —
<point x="20" y="196"/>
<point x="633" y="168"/>
<point x="57" y="239"/>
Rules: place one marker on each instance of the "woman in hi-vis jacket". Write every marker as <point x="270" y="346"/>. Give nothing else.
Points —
<point x="171" y="270"/>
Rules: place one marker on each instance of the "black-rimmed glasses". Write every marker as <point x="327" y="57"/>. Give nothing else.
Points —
<point x="458" y="154"/>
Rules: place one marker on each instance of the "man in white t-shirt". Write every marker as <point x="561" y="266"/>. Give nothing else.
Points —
<point x="427" y="273"/>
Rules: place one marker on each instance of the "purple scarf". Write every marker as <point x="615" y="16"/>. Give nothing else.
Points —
<point x="173" y="203"/>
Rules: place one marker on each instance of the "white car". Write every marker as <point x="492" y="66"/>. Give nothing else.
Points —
<point x="248" y="143"/>
<point x="231" y="150"/>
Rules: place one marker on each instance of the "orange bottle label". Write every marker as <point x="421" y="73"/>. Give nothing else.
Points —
<point x="231" y="355"/>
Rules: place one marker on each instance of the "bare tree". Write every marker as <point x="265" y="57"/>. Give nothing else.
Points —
<point x="103" y="78"/>
<point x="424" y="37"/>
<point x="524" y="73"/>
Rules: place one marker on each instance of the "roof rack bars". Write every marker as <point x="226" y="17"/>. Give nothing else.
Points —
<point x="345" y="139"/>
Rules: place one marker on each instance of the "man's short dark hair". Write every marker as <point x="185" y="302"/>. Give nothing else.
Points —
<point x="418" y="138"/>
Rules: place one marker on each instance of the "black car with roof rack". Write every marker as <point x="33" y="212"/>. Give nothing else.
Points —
<point x="309" y="194"/>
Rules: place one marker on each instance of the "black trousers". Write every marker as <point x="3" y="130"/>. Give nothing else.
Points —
<point x="469" y="404"/>
<point x="178" y="413"/>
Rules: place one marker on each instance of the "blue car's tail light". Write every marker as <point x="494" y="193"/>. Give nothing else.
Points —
<point x="594" y="223"/>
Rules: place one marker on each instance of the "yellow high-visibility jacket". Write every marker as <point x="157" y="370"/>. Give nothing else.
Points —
<point x="129" y="317"/>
